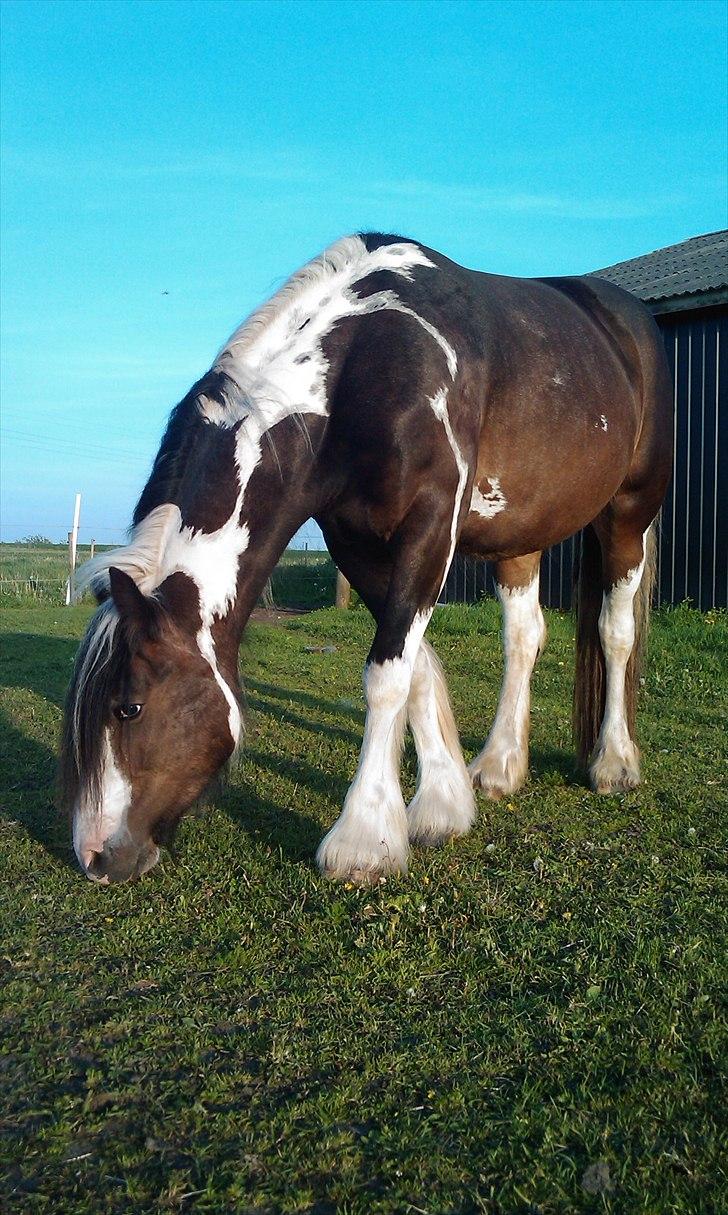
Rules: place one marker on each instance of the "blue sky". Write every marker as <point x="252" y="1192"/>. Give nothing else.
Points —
<point x="166" y="165"/>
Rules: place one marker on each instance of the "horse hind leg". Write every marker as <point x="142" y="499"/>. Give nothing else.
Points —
<point x="502" y="765"/>
<point x="615" y="762"/>
<point x="443" y="805"/>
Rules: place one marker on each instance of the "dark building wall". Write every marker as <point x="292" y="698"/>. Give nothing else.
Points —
<point x="694" y="524"/>
<point x="693" y="549"/>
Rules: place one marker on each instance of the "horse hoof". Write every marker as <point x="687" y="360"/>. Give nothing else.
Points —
<point x="497" y="778"/>
<point x="612" y="774"/>
<point x="430" y="837"/>
<point x="490" y="788"/>
<point x="359" y="876"/>
<point x="352" y="852"/>
<point x="625" y="782"/>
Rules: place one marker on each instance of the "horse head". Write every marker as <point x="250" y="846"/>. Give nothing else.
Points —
<point x="149" y="721"/>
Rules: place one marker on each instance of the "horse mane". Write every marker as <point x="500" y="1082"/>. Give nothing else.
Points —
<point x="95" y="675"/>
<point x="141" y="558"/>
<point x="236" y="385"/>
<point x="325" y="265"/>
<point x="183" y="428"/>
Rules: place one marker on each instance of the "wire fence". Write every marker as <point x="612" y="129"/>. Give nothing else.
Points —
<point x="35" y="570"/>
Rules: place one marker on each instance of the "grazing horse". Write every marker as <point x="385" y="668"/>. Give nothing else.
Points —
<point x="412" y="407"/>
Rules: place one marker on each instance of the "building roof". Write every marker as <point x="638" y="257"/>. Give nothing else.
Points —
<point x="692" y="274"/>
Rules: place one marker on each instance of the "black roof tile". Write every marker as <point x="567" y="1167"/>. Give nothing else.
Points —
<point x="694" y="267"/>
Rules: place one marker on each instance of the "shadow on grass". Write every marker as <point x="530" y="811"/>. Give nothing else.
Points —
<point x="29" y="791"/>
<point x="340" y="708"/>
<point x="43" y="666"/>
<point x="547" y="762"/>
<point x="269" y="823"/>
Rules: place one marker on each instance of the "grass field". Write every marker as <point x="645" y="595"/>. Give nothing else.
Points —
<point x="530" y="1022"/>
<point x="32" y="574"/>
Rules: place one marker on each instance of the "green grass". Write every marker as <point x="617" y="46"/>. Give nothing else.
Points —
<point x="235" y="1034"/>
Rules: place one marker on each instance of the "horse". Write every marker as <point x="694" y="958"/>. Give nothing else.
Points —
<point x="413" y="408"/>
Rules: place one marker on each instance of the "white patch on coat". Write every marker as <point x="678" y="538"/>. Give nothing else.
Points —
<point x="602" y="423"/>
<point x="370" y="836"/>
<point x="94" y="825"/>
<point x="439" y="408"/>
<point x="206" y="647"/>
<point x="490" y="503"/>
<point x="557" y="379"/>
<point x="502" y="765"/>
<point x="276" y="357"/>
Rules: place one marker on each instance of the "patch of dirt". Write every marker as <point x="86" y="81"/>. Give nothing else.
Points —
<point x="279" y="616"/>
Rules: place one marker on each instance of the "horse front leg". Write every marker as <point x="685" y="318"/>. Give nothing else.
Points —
<point x="443" y="805"/>
<point x="370" y="838"/>
<point x="502" y="765"/>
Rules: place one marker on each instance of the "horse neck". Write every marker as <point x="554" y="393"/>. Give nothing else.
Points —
<point x="281" y="493"/>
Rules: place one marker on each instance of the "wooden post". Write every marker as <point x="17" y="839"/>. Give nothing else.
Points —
<point x="93" y="550"/>
<point x="72" y="548"/>
<point x="343" y="591"/>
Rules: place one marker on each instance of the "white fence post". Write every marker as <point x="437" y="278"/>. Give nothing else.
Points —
<point x="72" y="548"/>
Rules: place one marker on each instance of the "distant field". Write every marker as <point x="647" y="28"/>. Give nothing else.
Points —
<point x="531" y="1023"/>
<point x="34" y="574"/>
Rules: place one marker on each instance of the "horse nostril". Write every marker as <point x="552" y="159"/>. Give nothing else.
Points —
<point x="93" y="863"/>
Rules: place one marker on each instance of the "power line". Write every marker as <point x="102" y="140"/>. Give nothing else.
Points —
<point x="58" y="443"/>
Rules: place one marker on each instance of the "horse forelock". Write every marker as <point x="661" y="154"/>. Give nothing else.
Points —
<point x="95" y="676"/>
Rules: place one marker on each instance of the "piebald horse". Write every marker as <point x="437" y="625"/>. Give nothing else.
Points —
<point x="413" y="408"/>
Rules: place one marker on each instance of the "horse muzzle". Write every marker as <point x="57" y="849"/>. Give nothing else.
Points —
<point x="119" y="862"/>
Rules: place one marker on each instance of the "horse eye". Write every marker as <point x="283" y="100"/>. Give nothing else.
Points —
<point x="127" y="712"/>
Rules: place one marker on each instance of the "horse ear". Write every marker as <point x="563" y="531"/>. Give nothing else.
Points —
<point x="135" y="610"/>
<point x="181" y="598"/>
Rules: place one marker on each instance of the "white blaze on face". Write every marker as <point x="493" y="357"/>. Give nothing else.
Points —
<point x="94" y="824"/>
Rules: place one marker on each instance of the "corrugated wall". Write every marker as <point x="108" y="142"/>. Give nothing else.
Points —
<point x="693" y="550"/>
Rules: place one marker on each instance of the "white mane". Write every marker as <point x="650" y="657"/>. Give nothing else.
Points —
<point x="337" y="259"/>
<point x="276" y="363"/>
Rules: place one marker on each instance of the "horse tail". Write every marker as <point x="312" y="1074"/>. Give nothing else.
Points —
<point x="590" y="678"/>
